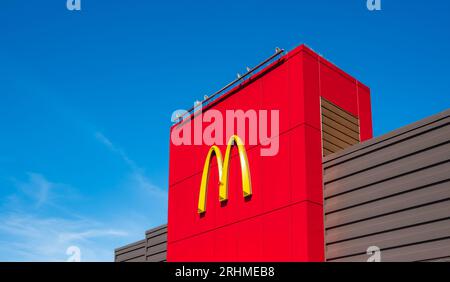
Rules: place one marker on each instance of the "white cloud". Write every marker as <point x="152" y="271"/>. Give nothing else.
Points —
<point x="105" y="141"/>
<point x="138" y="177"/>
<point x="37" y="187"/>
<point x="143" y="184"/>
<point x="36" y="224"/>
<point x="43" y="192"/>
<point x="93" y="233"/>
<point x="37" y="238"/>
<point x="29" y="233"/>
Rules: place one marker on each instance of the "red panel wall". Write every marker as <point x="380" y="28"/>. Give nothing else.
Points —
<point x="283" y="219"/>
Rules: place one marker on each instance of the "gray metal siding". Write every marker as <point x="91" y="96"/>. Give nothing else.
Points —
<point x="156" y="249"/>
<point x="392" y="192"/>
<point x="340" y="129"/>
<point x="134" y="252"/>
<point x="152" y="249"/>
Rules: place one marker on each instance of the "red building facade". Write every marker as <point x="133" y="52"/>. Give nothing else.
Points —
<point x="287" y="188"/>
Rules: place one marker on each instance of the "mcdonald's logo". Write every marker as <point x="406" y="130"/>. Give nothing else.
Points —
<point x="224" y="168"/>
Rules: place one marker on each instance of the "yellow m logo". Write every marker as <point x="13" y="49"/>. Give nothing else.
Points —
<point x="224" y="168"/>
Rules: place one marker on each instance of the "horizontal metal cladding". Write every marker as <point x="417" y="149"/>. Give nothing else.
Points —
<point x="340" y="129"/>
<point x="443" y="259"/>
<point x="392" y="192"/>
<point x="134" y="252"/>
<point x="152" y="249"/>
<point x="156" y="247"/>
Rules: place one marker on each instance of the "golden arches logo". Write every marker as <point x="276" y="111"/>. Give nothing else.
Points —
<point x="224" y="169"/>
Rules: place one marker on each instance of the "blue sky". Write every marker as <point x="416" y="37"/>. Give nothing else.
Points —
<point x="86" y="98"/>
